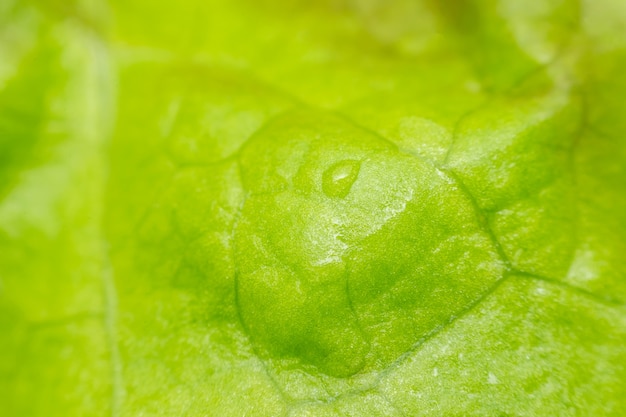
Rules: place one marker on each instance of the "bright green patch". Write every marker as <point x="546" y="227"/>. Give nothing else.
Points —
<point x="328" y="208"/>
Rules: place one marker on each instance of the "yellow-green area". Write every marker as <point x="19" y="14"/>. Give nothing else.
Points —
<point x="312" y="208"/>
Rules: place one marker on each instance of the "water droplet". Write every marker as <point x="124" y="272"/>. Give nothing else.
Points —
<point x="338" y="179"/>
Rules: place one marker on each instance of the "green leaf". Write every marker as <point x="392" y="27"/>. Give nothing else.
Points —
<point x="329" y="208"/>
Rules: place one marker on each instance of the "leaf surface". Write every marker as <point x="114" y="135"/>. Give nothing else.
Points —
<point x="329" y="208"/>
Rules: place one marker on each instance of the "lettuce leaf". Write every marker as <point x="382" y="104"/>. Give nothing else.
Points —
<point x="328" y="208"/>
